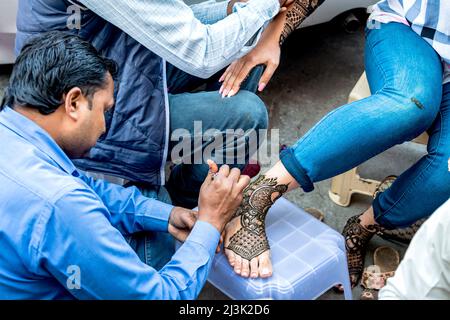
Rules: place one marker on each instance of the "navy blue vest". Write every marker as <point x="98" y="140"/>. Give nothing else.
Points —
<point x="134" y="146"/>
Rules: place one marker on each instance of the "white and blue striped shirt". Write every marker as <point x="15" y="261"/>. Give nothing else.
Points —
<point x="199" y="39"/>
<point x="428" y="18"/>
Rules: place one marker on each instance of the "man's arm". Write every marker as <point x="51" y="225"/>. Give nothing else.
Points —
<point x="79" y="237"/>
<point x="129" y="210"/>
<point x="210" y="12"/>
<point x="170" y="29"/>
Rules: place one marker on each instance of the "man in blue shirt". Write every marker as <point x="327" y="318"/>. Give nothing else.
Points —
<point x="160" y="46"/>
<point x="62" y="234"/>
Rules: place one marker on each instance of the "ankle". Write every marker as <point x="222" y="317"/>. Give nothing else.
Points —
<point x="259" y="197"/>
<point x="367" y="220"/>
<point x="357" y="235"/>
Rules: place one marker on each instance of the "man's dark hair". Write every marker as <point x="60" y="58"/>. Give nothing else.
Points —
<point x="50" y="65"/>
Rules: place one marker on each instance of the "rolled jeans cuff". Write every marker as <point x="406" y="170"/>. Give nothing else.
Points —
<point x="295" y="169"/>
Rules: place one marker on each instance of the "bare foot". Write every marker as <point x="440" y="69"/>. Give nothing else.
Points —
<point x="240" y="253"/>
<point x="246" y="244"/>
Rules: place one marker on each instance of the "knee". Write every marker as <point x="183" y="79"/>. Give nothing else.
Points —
<point x="416" y="108"/>
<point x="252" y="111"/>
<point x="424" y="102"/>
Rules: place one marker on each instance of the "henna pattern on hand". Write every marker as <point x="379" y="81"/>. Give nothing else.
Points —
<point x="250" y="241"/>
<point x="297" y="14"/>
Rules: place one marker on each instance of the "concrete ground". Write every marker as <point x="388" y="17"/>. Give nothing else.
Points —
<point x="319" y="67"/>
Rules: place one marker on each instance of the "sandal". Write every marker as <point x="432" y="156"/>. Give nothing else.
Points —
<point x="386" y="261"/>
<point x="385" y="184"/>
<point x="316" y="213"/>
<point x="356" y="239"/>
<point x="402" y="235"/>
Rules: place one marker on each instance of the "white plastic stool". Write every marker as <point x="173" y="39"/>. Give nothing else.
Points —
<point x="308" y="259"/>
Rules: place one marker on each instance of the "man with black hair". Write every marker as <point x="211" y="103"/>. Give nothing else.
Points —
<point x="63" y="235"/>
<point x="153" y="98"/>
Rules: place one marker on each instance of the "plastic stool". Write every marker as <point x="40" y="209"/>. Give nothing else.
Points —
<point x="308" y="259"/>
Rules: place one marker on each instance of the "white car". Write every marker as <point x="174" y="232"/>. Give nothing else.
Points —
<point x="327" y="12"/>
<point x="8" y="9"/>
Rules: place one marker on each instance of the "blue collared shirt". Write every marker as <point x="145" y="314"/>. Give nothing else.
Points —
<point x="61" y="233"/>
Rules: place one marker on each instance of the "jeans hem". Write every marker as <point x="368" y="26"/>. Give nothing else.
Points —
<point x="294" y="167"/>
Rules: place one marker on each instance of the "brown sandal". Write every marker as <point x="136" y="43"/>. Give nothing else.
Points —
<point x="386" y="261"/>
<point x="356" y="239"/>
<point x="403" y="235"/>
<point x="316" y="213"/>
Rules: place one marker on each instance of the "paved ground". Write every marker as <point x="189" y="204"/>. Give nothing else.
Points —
<point x="319" y="67"/>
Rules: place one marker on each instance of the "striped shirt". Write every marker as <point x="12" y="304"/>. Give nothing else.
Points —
<point x="199" y="39"/>
<point x="428" y="18"/>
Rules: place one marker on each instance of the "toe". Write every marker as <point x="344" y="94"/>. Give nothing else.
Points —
<point x="265" y="265"/>
<point x="339" y="288"/>
<point x="254" y="268"/>
<point x="245" y="272"/>
<point x="230" y="256"/>
<point x="354" y="280"/>
<point x="238" y="264"/>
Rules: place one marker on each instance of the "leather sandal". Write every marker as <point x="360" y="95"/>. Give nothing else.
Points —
<point x="374" y="277"/>
<point x="402" y="235"/>
<point x="356" y="239"/>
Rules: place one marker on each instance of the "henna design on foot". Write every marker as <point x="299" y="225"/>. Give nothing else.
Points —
<point x="251" y="240"/>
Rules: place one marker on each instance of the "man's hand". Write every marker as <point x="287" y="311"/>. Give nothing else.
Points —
<point x="181" y="221"/>
<point x="266" y="52"/>
<point x="220" y="195"/>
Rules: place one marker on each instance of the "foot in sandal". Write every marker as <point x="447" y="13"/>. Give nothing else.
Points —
<point x="356" y="237"/>
<point x="403" y="235"/>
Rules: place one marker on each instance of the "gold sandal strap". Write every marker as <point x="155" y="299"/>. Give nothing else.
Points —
<point x="373" y="279"/>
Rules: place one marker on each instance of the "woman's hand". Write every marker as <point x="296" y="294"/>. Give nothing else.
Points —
<point x="266" y="52"/>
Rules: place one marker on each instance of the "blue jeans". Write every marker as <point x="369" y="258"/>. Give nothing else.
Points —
<point x="405" y="77"/>
<point x="153" y="248"/>
<point x="243" y="111"/>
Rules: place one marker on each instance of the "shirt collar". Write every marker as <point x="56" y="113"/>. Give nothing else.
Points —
<point x="31" y="132"/>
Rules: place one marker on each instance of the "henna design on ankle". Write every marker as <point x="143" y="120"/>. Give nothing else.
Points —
<point x="297" y="14"/>
<point x="251" y="240"/>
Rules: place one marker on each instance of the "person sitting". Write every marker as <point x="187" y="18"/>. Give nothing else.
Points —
<point x="407" y="61"/>
<point x="63" y="234"/>
<point x="424" y="272"/>
<point x="164" y="49"/>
